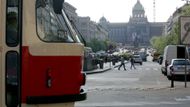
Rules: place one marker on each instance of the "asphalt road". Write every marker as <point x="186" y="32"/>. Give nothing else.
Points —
<point x="142" y="87"/>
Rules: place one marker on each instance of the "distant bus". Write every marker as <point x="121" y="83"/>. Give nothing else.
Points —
<point x="41" y="56"/>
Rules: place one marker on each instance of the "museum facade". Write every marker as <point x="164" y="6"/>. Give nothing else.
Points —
<point x="137" y="32"/>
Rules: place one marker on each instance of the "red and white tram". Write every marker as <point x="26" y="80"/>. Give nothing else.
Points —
<point x="41" y="56"/>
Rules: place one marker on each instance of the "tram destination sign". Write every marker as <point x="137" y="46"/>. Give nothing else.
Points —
<point x="185" y="30"/>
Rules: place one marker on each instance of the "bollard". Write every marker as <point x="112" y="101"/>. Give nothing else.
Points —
<point x="101" y="64"/>
<point x="113" y="62"/>
<point x="172" y="81"/>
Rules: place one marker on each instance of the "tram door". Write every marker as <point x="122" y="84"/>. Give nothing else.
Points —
<point x="11" y="52"/>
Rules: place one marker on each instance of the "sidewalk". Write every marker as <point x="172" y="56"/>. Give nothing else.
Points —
<point x="107" y="66"/>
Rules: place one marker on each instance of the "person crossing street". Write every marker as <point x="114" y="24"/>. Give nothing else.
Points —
<point x="122" y="64"/>
<point x="132" y="62"/>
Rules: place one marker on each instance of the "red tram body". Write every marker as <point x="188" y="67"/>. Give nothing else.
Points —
<point x="41" y="55"/>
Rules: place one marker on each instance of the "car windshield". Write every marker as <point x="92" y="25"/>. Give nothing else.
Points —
<point x="181" y="62"/>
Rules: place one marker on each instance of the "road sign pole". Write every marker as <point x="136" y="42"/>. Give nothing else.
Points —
<point x="185" y="68"/>
<point x="172" y="81"/>
<point x="185" y="37"/>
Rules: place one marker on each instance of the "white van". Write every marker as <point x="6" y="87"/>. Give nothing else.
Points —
<point x="172" y="52"/>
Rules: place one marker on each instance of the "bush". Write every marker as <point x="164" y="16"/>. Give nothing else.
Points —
<point x="126" y="56"/>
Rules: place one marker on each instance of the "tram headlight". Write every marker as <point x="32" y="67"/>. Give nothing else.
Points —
<point x="48" y="78"/>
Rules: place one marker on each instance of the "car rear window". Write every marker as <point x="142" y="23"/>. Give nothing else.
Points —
<point x="181" y="62"/>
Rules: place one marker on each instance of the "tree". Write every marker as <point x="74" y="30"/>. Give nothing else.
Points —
<point x="98" y="45"/>
<point x="159" y="43"/>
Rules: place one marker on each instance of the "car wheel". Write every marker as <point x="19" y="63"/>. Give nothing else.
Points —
<point x="141" y="63"/>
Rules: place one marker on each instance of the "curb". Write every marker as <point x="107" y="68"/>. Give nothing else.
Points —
<point x="102" y="70"/>
<point x="97" y="71"/>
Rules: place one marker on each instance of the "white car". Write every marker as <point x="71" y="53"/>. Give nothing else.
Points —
<point x="177" y="67"/>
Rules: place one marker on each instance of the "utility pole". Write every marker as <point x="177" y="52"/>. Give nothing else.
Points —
<point x="154" y="10"/>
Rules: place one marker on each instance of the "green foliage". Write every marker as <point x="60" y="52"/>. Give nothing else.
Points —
<point x="159" y="43"/>
<point x="126" y="56"/>
<point x="186" y="10"/>
<point x="98" y="45"/>
<point x="110" y="45"/>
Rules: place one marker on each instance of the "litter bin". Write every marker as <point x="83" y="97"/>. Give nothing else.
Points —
<point x="101" y="65"/>
<point x="113" y="62"/>
<point x="101" y="62"/>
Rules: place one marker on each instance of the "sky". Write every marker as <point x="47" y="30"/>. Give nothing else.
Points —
<point x="121" y="10"/>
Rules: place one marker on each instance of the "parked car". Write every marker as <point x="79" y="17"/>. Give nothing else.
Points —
<point x="171" y="52"/>
<point x="177" y="67"/>
<point x="138" y="59"/>
<point x="143" y="55"/>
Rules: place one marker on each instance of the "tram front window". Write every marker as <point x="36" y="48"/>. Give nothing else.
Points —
<point x="12" y="65"/>
<point x="12" y="68"/>
<point x="50" y="27"/>
<point x="12" y="23"/>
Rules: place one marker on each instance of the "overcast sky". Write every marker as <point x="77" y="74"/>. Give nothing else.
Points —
<point x="121" y="10"/>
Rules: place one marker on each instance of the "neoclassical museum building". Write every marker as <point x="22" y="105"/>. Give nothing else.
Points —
<point x="137" y="32"/>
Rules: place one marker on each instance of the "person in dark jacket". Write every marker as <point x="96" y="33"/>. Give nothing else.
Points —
<point x="132" y="63"/>
<point x="122" y="64"/>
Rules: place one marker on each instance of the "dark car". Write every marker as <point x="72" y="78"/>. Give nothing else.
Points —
<point x="143" y="56"/>
<point x="138" y="59"/>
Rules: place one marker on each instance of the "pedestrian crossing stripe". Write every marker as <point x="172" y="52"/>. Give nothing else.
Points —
<point x="119" y="104"/>
<point x="143" y="69"/>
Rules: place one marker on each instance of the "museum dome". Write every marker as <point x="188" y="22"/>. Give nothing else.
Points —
<point x="138" y="6"/>
<point x="102" y="19"/>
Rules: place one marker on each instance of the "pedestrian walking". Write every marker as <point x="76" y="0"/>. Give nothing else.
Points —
<point x="122" y="64"/>
<point x="132" y="63"/>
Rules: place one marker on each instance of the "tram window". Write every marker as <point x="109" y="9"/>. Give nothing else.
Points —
<point x="12" y="23"/>
<point x="50" y="27"/>
<point x="12" y="68"/>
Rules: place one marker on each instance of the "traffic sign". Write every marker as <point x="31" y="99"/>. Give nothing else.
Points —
<point x="185" y="30"/>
